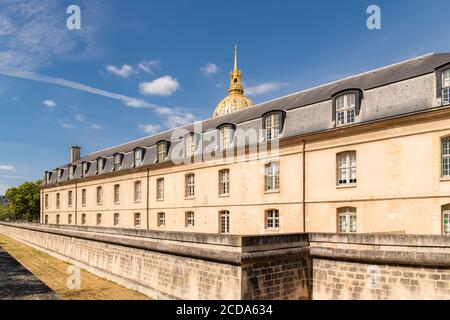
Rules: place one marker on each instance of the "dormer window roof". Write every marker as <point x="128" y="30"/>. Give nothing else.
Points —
<point x="162" y="150"/>
<point x="346" y="106"/>
<point x="72" y="171"/>
<point x="118" y="157"/>
<point x="85" y="168"/>
<point x="100" y="165"/>
<point x="273" y="123"/>
<point x="138" y="156"/>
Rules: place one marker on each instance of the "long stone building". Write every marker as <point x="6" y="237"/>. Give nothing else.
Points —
<point x="365" y="154"/>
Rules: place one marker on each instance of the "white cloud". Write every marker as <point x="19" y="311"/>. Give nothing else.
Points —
<point x="49" y="103"/>
<point x="95" y="127"/>
<point x="6" y="27"/>
<point x="150" y="128"/>
<point x="149" y="66"/>
<point x="171" y="116"/>
<point x="80" y="118"/>
<point x="7" y="168"/>
<point x="209" y="69"/>
<point x="263" y="88"/>
<point x="125" y="71"/>
<point x="66" y="125"/>
<point x="164" y="86"/>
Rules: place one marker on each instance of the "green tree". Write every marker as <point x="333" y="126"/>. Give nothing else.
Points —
<point x="24" y="202"/>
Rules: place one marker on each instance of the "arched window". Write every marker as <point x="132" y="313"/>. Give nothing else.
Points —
<point x="446" y="220"/>
<point x="347" y="222"/>
<point x="445" y="157"/>
<point x="138" y="157"/>
<point x="346" y="168"/>
<point x="272" y="176"/>
<point x="272" y="217"/>
<point x="346" y="106"/>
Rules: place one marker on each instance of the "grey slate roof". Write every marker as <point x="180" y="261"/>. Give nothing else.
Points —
<point x="369" y="80"/>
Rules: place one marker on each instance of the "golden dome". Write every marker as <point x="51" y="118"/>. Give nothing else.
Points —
<point x="235" y="100"/>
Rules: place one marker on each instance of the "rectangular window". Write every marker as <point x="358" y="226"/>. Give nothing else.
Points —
<point x="272" y="178"/>
<point x="446" y="87"/>
<point x="190" y="219"/>
<point x="85" y="168"/>
<point x="224" y="182"/>
<point x="160" y="189"/>
<point x="100" y="165"/>
<point x="226" y="137"/>
<point x="58" y="200"/>
<point x="117" y="162"/>
<point x="137" y="220"/>
<point x="190" y="185"/>
<point x="99" y="219"/>
<point x="58" y="219"/>
<point x="83" y="219"/>
<point x="347" y="220"/>
<point x="190" y="145"/>
<point x="46" y="201"/>
<point x="116" y="193"/>
<point x="46" y="219"/>
<point x="446" y="223"/>
<point x="162" y="152"/>
<point x="137" y="191"/>
<point x="446" y="157"/>
<point x="99" y="195"/>
<point x="272" y="219"/>
<point x="83" y="197"/>
<point x="345" y="109"/>
<point x="69" y="219"/>
<point x="138" y="157"/>
<point x="272" y="124"/>
<point x="70" y="198"/>
<point x="224" y="221"/>
<point x="161" y="219"/>
<point x="116" y="219"/>
<point x="72" y="172"/>
<point x="346" y="167"/>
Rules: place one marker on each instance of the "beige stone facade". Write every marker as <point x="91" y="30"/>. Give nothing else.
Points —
<point x="395" y="146"/>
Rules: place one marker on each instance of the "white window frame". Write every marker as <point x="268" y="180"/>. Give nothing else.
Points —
<point x="224" y="182"/>
<point x="99" y="195"/>
<point x="190" y="144"/>
<point x="226" y="137"/>
<point x="137" y="191"/>
<point x="445" y="154"/>
<point x="272" y="217"/>
<point x="347" y="168"/>
<point x="347" y="219"/>
<point x="46" y="197"/>
<point x="272" y="176"/>
<point x="160" y="189"/>
<point x="161" y="151"/>
<point x="117" y="161"/>
<point x="138" y="157"/>
<point x="190" y="219"/>
<point x="116" y="193"/>
<point x="100" y="165"/>
<point x="345" y="109"/>
<point x="161" y="219"/>
<point x="190" y="185"/>
<point x="446" y="218"/>
<point x="85" y="168"/>
<point x="72" y="172"/>
<point x="83" y="197"/>
<point x="445" y="86"/>
<point x="70" y="198"/>
<point x="224" y="222"/>
<point x="272" y="126"/>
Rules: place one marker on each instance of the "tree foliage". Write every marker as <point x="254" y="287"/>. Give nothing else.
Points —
<point x="24" y="203"/>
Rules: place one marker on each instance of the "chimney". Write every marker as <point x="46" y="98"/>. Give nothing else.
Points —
<point x="75" y="153"/>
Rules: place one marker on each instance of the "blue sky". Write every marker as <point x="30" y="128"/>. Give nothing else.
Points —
<point x="161" y="64"/>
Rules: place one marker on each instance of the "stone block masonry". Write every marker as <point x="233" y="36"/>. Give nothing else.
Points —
<point x="175" y="265"/>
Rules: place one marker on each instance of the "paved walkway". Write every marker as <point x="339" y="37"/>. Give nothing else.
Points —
<point x="17" y="283"/>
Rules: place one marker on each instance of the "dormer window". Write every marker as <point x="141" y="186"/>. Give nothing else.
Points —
<point x="190" y="144"/>
<point x="273" y="125"/>
<point x="85" y="166"/>
<point x="226" y="136"/>
<point x="446" y="87"/>
<point x="138" y="157"/>
<point x="117" y="161"/>
<point x="72" y="172"/>
<point x="48" y="176"/>
<point x="346" y="107"/>
<point x="162" y="150"/>
<point x="60" y="173"/>
<point x="100" y="165"/>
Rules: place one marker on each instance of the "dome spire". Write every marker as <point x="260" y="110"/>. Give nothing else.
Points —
<point x="235" y="100"/>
